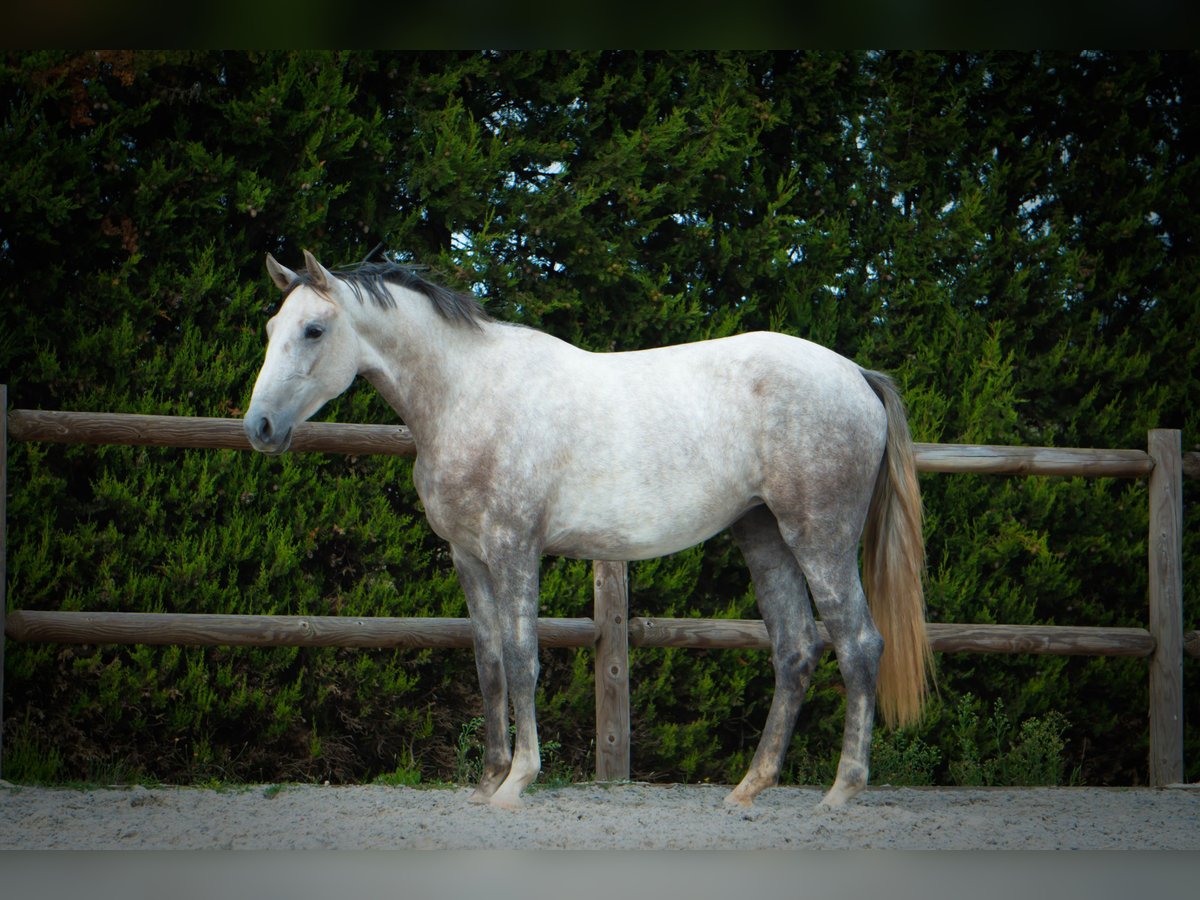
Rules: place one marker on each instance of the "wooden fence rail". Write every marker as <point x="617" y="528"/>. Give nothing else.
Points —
<point x="335" y="437"/>
<point x="612" y="632"/>
<point x="209" y="630"/>
<point x="379" y="632"/>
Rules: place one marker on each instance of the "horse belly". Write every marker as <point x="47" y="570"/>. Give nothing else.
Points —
<point x="624" y="518"/>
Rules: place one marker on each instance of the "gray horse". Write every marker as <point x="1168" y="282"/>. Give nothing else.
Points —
<point x="527" y="445"/>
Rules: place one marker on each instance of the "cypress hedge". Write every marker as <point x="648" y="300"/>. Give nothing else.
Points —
<point x="1011" y="235"/>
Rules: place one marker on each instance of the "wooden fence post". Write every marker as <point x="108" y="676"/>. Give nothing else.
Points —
<point x="611" y="615"/>
<point x="3" y="554"/>
<point x="1166" y="607"/>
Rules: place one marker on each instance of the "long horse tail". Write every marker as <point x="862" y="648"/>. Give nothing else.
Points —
<point x="893" y="567"/>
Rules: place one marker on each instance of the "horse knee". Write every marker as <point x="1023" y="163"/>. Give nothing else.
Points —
<point x="868" y="648"/>
<point x="858" y="658"/>
<point x="796" y="664"/>
<point x="870" y="645"/>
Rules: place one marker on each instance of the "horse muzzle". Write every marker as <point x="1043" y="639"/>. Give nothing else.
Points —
<point x="265" y="436"/>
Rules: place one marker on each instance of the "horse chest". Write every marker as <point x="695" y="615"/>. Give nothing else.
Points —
<point x="469" y="494"/>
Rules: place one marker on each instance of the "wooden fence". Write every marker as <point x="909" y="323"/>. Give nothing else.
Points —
<point x="611" y="631"/>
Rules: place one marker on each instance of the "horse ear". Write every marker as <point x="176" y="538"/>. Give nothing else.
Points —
<point x="321" y="278"/>
<point x="281" y="275"/>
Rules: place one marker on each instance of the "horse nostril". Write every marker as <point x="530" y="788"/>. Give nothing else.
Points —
<point x="264" y="429"/>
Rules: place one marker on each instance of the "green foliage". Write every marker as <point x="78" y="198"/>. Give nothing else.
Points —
<point x="406" y="774"/>
<point x="1011" y="235"/>
<point x="28" y="757"/>
<point x="468" y="752"/>
<point x="468" y="759"/>
<point x="993" y="755"/>
<point x="902" y="759"/>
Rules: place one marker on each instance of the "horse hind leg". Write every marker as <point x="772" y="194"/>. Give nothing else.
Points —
<point x="795" y="646"/>
<point x="838" y="595"/>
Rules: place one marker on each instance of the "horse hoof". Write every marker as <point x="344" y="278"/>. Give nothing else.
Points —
<point x="836" y="798"/>
<point x="501" y="802"/>
<point x="734" y="800"/>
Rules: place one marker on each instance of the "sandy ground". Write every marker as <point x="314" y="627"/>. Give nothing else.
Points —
<point x="591" y="816"/>
<point x="380" y="842"/>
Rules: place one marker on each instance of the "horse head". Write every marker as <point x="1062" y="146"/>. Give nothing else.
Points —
<point x="312" y="354"/>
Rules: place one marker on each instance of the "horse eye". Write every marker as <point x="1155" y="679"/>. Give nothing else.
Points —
<point x="312" y="332"/>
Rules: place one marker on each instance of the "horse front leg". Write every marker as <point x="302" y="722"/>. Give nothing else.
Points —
<point x="515" y="578"/>
<point x="487" y="636"/>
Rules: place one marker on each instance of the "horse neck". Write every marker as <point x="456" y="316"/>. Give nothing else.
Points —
<point x="416" y="359"/>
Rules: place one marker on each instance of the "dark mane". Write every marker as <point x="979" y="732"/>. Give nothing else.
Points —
<point x="371" y="278"/>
